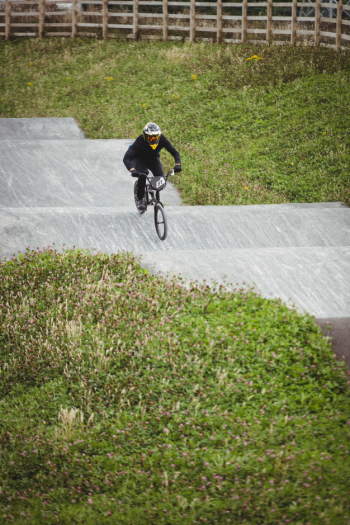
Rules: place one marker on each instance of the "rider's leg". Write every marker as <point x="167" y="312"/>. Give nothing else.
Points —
<point x="142" y="168"/>
<point x="156" y="167"/>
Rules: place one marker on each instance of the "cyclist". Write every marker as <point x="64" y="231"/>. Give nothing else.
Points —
<point x="143" y="155"/>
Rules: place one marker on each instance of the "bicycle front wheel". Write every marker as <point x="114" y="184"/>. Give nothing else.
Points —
<point x="160" y="221"/>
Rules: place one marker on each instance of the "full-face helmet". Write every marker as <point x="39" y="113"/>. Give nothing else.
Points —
<point x="151" y="134"/>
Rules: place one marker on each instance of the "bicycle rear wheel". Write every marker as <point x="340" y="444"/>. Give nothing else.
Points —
<point x="160" y="221"/>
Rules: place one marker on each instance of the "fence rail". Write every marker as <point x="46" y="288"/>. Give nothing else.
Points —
<point x="317" y="23"/>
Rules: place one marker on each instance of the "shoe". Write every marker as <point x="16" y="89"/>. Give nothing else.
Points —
<point x="142" y="205"/>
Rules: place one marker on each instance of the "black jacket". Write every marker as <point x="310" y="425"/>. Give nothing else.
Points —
<point x="140" y="149"/>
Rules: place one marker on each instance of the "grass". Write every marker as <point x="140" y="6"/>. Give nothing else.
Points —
<point x="268" y="130"/>
<point x="128" y="398"/>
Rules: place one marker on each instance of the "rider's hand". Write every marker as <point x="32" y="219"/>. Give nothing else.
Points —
<point x="134" y="173"/>
<point x="177" y="168"/>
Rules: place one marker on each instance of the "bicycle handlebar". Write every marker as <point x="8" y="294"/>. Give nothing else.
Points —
<point x="170" y="173"/>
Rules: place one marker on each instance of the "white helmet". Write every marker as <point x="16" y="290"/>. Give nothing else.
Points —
<point x="151" y="134"/>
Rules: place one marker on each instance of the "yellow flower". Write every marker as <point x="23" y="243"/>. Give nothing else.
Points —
<point x="292" y="163"/>
<point x="144" y="105"/>
<point x="324" y="133"/>
<point x="68" y="78"/>
<point x="30" y="63"/>
<point x="249" y="58"/>
<point x="260" y="58"/>
<point x="255" y="56"/>
<point x="194" y="77"/>
<point x="245" y="187"/>
<point x="29" y="84"/>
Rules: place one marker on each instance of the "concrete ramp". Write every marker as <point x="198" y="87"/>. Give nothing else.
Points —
<point x="40" y="129"/>
<point x="78" y="192"/>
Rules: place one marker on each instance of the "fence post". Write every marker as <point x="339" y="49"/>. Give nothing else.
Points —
<point x="219" y="21"/>
<point x="293" y="38"/>
<point x="105" y="19"/>
<point x="244" y="21"/>
<point x="269" y="20"/>
<point x="165" y="19"/>
<point x="317" y="22"/>
<point x="7" y="19"/>
<point x="74" y="18"/>
<point x="192" y="21"/>
<point x="338" y="32"/>
<point x="41" y="18"/>
<point x="136" y="19"/>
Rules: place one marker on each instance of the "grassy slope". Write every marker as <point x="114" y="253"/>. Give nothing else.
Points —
<point x="208" y="405"/>
<point x="259" y="131"/>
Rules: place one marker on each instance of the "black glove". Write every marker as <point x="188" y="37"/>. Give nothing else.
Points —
<point x="134" y="173"/>
<point x="177" y="169"/>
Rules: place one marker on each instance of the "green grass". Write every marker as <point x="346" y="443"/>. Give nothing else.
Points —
<point x="249" y="131"/>
<point x="195" y="405"/>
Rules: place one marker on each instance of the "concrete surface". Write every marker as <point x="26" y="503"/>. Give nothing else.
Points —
<point x="39" y="129"/>
<point x="78" y="192"/>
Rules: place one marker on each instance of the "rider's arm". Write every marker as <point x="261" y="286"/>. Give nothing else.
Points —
<point x="169" y="147"/>
<point x="131" y="154"/>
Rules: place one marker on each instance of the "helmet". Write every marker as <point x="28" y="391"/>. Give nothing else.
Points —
<point x="151" y="134"/>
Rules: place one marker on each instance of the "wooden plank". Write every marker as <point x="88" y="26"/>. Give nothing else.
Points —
<point x="254" y="31"/>
<point x="150" y="15"/>
<point x="281" y="31"/>
<point x="59" y="33"/>
<point x="24" y="25"/>
<point x="317" y="22"/>
<point x="179" y="3"/>
<point x="207" y="29"/>
<point x="219" y="22"/>
<point x="268" y="23"/>
<point x="293" y="36"/>
<point x="142" y="26"/>
<point x="136" y="19"/>
<point x="305" y="32"/>
<point x="345" y="22"/>
<point x="192" y="21"/>
<point x="338" y="29"/>
<point x="120" y="15"/>
<point x="257" y="4"/>
<point x="305" y="19"/>
<point x="232" y="4"/>
<point x="232" y="30"/>
<point x="88" y="24"/>
<point x="92" y="13"/>
<point x="57" y="24"/>
<point x="205" y="17"/>
<point x="104" y="18"/>
<point x="345" y="37"/>
<point x="7" y="19"/>
<point x="329" y="20"/>
<point x="328" y="33"/>
<point x="120" y="26"/>
<point x="226" y="17"/>
<point x="231" y="41"/>
<point x="244" y="21"/>
<point x="74" y="18"/>
<point x="282" y="18"/>
<point x="33" y="13"/>
<point x="25" y="34"/>
<point x="257" y="17"/>
<point x="179" y="16"/>
<point x="179" y="28"/>
<point x="143" y="2"/>
<point x="127" y="2"/>
<point x="206" y="4"/>
<point x="165" y="20"/>
<point x="57" y="13"/>
<point x="327" y="5"/>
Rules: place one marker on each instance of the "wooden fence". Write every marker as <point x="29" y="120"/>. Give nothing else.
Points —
<point x="326" y="24"/>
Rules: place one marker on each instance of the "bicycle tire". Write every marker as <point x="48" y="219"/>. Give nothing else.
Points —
<point x="160" y="221"/>
<point x="137" y="200"/>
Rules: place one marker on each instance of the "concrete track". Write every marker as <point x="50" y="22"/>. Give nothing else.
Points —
<point x="63" y="189"/>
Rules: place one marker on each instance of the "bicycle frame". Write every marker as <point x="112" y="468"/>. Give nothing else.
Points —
<point x="153" y="195"/>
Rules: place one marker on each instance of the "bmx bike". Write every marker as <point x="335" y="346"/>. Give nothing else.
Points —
<point x="154" y="185"/>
